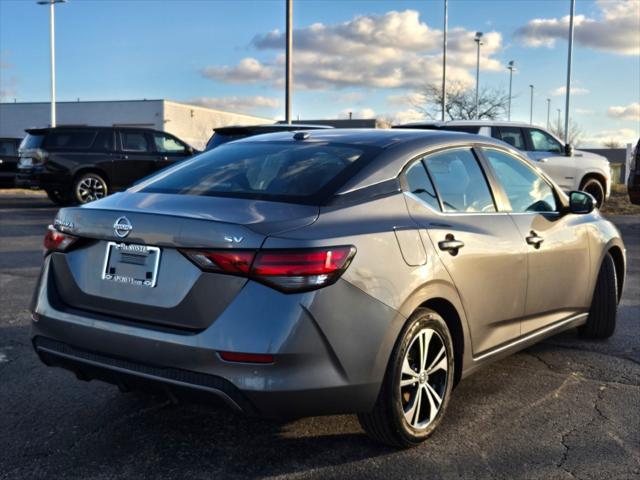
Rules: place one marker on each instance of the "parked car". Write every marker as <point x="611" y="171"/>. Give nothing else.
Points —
<point x="633" y="182"/>
<point x="82" y="164"/>
<point x="8" y="161"/>
<point x="223" y="135"/>
<point x="326" y="272"/>
<point x="570" y="169"/>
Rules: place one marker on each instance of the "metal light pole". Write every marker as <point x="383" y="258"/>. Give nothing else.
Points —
<point x="52" y="44"/>
<point x="559" y="120"/>
<point x="569" y="59"/>
<point x="289" y="60"/>
<point x="531" y="106"/>
<point x="511" y="68"/>
<point x="548" y="111"/>
<point x="478" y="40"/>
<point x="444" y="57"/>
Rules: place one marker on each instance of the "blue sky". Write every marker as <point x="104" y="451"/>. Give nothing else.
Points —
<point x="360" y="56"/>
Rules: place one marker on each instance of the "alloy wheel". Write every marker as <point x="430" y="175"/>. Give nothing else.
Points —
<point x="423" y="382"/>
<point x="89" y="188"/>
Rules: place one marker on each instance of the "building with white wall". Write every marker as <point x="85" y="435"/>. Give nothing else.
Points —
<point x="191" y="123"/>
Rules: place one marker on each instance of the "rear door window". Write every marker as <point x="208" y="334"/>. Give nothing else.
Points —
<point x="133" y="141"/>
<point x="513" y="136"/>
<point x="104" y="141"/>
<point x="460" y="181"/>
<point x="280" y="171"/>
<point x="69" y="139"/>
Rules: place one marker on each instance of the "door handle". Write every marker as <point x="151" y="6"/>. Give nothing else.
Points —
<point x="534" y="239"/>
<point x="450" y="244"/>
<point x="165" y="159"/>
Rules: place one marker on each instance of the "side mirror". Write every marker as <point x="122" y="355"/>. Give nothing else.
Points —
<point x="568" y="150"/>
<point x="581" y="202"/>
<point x="190" y="150"/>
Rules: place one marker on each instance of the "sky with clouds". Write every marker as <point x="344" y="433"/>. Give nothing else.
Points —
<point x="366" y="57"/>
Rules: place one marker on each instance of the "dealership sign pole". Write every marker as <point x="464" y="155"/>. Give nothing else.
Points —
<point x="289" y="72"/>
<point x="52" y="43"/>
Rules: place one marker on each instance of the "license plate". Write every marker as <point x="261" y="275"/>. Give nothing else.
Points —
<point x="25" y="162"/>
<point x="131" y="264"/>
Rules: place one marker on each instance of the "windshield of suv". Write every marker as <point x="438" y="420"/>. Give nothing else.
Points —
<point x="274" y="171"/>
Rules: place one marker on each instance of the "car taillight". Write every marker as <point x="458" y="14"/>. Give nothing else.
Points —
<point x="56" y="241"/>
<point x="293" y="270"/>
<point x="298" y="270"/>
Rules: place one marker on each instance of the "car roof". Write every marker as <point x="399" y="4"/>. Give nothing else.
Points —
<point x="468" y="123"/>
<point x="269" y="127"/>
<point x="43" y="130"/>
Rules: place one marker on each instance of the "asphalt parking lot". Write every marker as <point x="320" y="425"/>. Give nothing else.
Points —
<point x="565" y="408"/>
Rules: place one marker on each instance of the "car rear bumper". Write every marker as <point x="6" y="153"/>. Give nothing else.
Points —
<point x="309" y="376"/>
<point x="39" y="179"/>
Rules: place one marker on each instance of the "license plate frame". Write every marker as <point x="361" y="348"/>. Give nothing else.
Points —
<point x="137" y="252"/>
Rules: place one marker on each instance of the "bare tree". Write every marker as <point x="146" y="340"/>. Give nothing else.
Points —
<point x="575" y="132"/>
<point x="461" y="102"/>
<point x="612" y="143"/>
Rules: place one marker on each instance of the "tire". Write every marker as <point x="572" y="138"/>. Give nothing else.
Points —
<point x="405" y="416"/>
<point x="88" y="187"/>
<point x="593" y="187"/>
<point x="58" y="197"/>
<point x="602" y="315"/>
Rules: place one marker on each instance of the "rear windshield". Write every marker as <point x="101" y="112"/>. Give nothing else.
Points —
<point x="279" y="171"/>
<point x="31" y="141"/>
<point x="70" y="139"/>
<point x="218" y="139"/>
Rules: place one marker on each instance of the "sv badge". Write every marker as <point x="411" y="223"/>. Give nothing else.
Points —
<point x="233" y="239"/>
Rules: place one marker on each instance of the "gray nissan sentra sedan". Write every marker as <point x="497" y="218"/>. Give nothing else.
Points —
<point x="324" y="272"/>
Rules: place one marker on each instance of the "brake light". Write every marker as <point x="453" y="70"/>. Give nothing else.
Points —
<point x="298" y="270"/>
<point x="293" y="270"/>
<point x="56" y="241"/>
<point x="237" y="262"/>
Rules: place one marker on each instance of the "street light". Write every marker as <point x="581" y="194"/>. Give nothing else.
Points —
<point x="511" y="68"/>
<point x="289" y="61"/>
<point x="444" y="57"/>
<point x="51" y="4"/>
<point x="531" y="106"/>
<point x="569" y="56"/>
<point x="478" y="40"/>
<point x="559" y="120"/>
<point x="548" y="111"/>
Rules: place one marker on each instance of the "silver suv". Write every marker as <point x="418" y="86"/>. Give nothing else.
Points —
<point x="570" y="169"/>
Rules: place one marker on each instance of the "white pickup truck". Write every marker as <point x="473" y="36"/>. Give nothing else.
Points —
<point x="570" y="169"/>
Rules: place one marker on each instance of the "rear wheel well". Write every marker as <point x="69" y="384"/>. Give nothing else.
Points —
<point x="448" y="312"/>
<point x="618" y="261"/>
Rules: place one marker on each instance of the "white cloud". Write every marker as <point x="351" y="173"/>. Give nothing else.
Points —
<point x="392" y="50"/>
<point x="561" y="91"/>
<point x="238" y="104"/>
<point x="584" y="111"/>
<point x="616" y="30"/>
<point x="248" y="70"/>
<point x="406" y="116"/>
<point x="628" y="112"/>
<point x="622" y="136"/>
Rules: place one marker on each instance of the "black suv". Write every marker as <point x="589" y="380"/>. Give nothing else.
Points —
<point x="223" y="135"/>
<point x="81" y="164"/>
<point x="8" y="161"/>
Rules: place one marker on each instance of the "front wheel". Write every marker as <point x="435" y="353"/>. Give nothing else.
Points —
<point x="417" y="384"/>
<point x="89" y="187"/>
<point x="595" y="189"/>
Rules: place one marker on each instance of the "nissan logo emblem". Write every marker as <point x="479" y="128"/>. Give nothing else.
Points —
<point x="122" y="227"/>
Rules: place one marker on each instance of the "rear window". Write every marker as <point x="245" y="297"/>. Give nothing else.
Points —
<point x="280" y="171"/>
<point x="218" y="139"/>
<point x="31" y="141"/>
<point x="7" y="147"/>
<point x="70" y="139"/>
